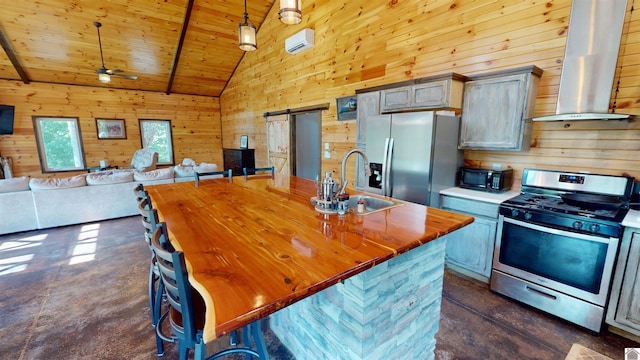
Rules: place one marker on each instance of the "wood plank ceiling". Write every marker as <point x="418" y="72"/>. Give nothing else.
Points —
<point x="55" y="41"/>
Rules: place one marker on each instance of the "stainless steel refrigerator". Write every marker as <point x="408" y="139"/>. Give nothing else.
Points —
<point x="412" y="156"/>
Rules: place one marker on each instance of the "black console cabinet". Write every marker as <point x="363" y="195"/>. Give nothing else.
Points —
<point x="236" y="159"/>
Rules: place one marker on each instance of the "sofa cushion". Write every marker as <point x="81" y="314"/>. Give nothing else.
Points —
<point x="158" y="174"/>
<point x="109" y="178"/>
<point x="206" y="167"/>
<point x="58" y="183"/>
<point x="183" y="170"/>
<point x="14" y="184"/>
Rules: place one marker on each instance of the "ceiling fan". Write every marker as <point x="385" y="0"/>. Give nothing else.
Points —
<point x="104" y="74"/>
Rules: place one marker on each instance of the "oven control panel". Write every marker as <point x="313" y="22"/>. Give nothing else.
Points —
<point x="571" y="179"/>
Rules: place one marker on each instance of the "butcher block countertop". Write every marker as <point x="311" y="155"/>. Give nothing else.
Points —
<point x="255" y="245"/>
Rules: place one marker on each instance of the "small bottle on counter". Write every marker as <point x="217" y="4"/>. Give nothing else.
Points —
<point x="360" y="206"/>
<point x="343" y="204"/>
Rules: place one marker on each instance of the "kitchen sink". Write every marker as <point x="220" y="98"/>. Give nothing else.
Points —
<point x="371" y="204"/>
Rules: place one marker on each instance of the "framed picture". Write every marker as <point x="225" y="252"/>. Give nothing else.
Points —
<point x="111" y="129"/>
<point x="244" y="141"/>
<point x="347" y="107"/>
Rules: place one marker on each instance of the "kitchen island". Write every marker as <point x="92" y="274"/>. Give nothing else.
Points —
<point x="336" y="286"/>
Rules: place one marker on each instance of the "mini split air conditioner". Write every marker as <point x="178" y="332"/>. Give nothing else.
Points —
<point x="299" y="42"/>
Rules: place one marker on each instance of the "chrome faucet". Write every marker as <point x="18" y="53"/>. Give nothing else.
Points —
<point x="344" y="167"/>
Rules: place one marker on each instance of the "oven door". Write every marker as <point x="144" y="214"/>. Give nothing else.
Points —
<point x="575" y="264"/>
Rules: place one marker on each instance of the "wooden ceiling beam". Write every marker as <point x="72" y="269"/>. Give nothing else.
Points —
<point x="6" y="45"/>
<point x="176" y="59"/>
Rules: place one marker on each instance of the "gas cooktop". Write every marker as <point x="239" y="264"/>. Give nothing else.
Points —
<point x="557" y="205"/>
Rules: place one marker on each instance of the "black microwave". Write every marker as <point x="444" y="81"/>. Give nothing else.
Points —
<point x="485" y="179"/>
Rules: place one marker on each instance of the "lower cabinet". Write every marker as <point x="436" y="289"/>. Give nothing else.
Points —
<point x="624" y="303"/>
<point x="470" y="249"/>
<point x="237" y="159"/>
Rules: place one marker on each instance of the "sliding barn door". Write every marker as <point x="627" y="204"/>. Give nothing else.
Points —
<point x="279" y="143"/>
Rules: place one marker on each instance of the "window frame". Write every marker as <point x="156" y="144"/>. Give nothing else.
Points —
<point x="40" y="144"/>
<point x="167" y="124"/>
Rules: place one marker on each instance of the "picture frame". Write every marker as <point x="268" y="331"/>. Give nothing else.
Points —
<point x="244" y="142"/>
<point x="111" y="129"/>
<point x="347" y="107"/>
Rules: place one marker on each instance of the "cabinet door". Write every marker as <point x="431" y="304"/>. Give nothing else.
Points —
<point x="628" y="310"/>
<point x="236" y="159"/>
<point x="368" y="105"/>
<point x="396" y="99"/>
<point x="470" y="249"/>
<point x="472" y="246"/>
<point x="493" y="116"/>
<point x="232" y="160"/>
<point x="430" y="95"/>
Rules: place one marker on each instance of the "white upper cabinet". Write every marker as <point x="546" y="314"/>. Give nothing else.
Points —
<point x="436" y="92"/>
<point x="368" y="105"/>
<point x="497" y="109"/>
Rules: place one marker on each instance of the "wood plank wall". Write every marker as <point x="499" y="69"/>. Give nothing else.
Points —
<point x="195" y="122"/>
<point x="360" y="44"/>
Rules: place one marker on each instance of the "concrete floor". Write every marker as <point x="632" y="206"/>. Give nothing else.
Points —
<point x="79" y="292"/>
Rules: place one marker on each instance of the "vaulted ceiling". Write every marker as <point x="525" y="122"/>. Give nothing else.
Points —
<point x="173" y="46"/>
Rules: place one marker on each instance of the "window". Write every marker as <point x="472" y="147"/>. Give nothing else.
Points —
<point x="156" y="135"/>
<point x="59" y="143"/>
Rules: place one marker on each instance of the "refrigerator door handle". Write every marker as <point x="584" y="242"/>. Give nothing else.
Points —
<point x="384" y="167"/>
<point x="389" y="159"/>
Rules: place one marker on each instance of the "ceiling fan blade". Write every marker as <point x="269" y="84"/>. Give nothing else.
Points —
<point x="114" y="71"/>
<point x="126" y="76"/>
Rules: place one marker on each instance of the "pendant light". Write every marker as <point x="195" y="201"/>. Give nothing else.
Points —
<point x="103" y="77"/>
<point x="247" y="32"/>
<point x="290" y="11"/>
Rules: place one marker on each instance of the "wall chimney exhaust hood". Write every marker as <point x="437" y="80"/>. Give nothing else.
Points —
<point x="589" y="65"/>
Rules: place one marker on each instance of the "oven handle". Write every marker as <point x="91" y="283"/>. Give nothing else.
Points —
<point x="540" y="292"/>
<point x="556" y="231"/>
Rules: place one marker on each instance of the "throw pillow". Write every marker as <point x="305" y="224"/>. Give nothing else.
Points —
<point x="206" y="167"/>
<point x="183" y="170"/>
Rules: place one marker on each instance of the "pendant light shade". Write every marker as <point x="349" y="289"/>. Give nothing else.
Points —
<point x="290" y="11"/>
<point x="247" y="33"/>
<point x="103" y="77"/>
<point x="247" y="36"/>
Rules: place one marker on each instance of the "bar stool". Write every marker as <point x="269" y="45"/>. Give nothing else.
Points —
<point x="150" y="222"/>
<point x="253" y="171"/>
<point x="187" y="308"/>
<point x="224" y="173"/>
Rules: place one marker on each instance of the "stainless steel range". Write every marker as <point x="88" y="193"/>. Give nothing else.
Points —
<point x="557" y="243"/>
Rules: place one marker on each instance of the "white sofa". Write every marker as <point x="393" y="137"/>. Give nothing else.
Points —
<point x="29" y="204"/>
